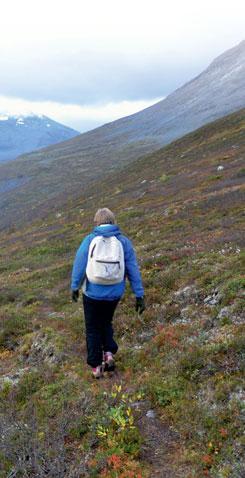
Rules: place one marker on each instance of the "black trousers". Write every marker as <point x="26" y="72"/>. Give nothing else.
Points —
<point x="99" y="331"/>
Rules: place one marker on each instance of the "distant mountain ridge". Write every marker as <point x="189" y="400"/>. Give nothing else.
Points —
<point x="217" y="91"/>
<point x="23" y="133"/>
<point x="65" y="169"/>
<point x="214" y="93"/>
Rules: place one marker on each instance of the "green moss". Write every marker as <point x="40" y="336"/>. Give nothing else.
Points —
<point x="166" y="391"/>
<point x="214" y="177"/>
<point x="225" y="321"/>
<point x="5" y="391"/>
<point x="235" y="285"/>
<point x="79" y="429"/>
<point x="191" y="363"/>
<point x="241" y="173"/>
<point x="12" y="328"/>
<point x="168" y="280"/>
<point x="53" y="398"/>
<point x="164" y="178"/>
<point x="29" y="384"/>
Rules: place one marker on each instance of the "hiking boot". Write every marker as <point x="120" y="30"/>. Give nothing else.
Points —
<point x="109" y="362"/>
<point x="97" y="372"/>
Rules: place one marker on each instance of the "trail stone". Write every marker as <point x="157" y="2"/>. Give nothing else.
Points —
<point x="187" y="295"/>
<point x="224" y="312"/>
<point x="13" y="378"/>
<point x="213" y="299"/>
<point x="150" y="414"/>
<point x="44" y="349"/>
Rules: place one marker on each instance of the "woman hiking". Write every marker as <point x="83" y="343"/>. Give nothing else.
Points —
<point x="102" y="263"/>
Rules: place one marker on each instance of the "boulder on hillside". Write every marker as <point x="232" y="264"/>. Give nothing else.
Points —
<point x="213" y="299"/>
<point x="188" y="295"/>
<point x="45" y="347"/>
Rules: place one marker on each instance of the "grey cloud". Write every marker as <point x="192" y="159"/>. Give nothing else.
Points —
<point x="90" y="78"/>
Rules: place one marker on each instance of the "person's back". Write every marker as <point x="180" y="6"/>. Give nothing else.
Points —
<point x="103" y="285"/>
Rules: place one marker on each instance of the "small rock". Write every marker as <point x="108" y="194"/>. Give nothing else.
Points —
<point x="224" y="312"/>
<point x="43" y="349"/>
<point x="146" y="334"/>
<point x="186" y="313"/>
<point x="208" y="324"/>
<point x="187" y="295"/>
<point x="238" y="395"/>
<point x="150" y="414"/>
<point x="136" y="405"/>
<point x="213" y="299"/>
<point x="13" y="378"/>
<point x="209" y="300"/>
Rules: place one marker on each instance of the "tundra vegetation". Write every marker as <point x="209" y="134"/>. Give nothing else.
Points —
<point x="174" y="408"/>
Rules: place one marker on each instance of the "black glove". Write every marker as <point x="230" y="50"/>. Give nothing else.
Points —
<point x="140" y="305"/>
<point x="75" y="295"/>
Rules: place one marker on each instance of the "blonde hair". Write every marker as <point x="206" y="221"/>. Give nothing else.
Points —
<point x="104" y="216"/>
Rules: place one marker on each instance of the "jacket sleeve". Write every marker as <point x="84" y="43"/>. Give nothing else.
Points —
<point x="80" y="264"/>
<point x="132" y="269"/>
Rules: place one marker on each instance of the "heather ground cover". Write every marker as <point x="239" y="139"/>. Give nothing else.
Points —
<point x="176" y="403"/>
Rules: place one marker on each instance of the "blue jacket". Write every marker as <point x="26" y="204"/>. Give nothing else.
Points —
<point x="107" y="292"/>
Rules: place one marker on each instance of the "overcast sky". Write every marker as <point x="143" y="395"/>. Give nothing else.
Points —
<point x="87" y="62"/>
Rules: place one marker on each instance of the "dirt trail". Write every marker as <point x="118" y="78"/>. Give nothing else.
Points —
<point x="160" y="449"/>
<point x="161" y="445"/>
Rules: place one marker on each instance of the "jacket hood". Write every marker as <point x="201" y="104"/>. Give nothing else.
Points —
<point x="107" y="231"/>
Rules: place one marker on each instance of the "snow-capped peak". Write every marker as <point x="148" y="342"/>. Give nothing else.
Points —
<point x="5" y="116"/>
<point x="28" y="115"/>
<point x="23" y="132"/>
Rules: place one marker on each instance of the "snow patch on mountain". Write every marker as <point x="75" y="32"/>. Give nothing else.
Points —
<point x="20" y="121"/>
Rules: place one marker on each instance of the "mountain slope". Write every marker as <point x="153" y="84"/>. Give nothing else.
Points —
<point x="21" y="134"/>
<point x="65" y="169"/>
<point x="179" y="365"/>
